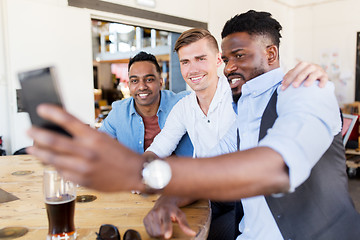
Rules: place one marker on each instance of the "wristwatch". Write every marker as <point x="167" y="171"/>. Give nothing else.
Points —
<point x="156" y="175"/>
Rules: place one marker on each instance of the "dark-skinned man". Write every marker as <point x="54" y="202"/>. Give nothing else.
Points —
<point x="137" y="120"/>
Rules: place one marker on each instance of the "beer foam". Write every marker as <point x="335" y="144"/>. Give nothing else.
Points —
<point x="60" y="200"/>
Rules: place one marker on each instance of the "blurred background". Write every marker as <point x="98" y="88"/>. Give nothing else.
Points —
<point x="90" y="43"/>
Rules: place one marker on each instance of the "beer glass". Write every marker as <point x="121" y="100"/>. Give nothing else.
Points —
<point x="60" y="198"/>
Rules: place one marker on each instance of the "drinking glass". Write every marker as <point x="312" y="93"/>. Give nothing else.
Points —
<point x="60" y="196"/>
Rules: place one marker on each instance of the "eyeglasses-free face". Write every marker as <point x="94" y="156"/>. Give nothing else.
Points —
<point x="110" y="232"/>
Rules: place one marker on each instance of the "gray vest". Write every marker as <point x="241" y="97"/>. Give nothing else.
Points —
<point x="321" y="207"/>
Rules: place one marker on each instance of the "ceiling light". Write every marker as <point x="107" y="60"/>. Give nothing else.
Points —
<point x="146" y="3"/>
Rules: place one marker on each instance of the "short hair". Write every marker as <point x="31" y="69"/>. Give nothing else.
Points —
<point x="144" y="57"/>
<point x="253" y="22"/>
<point x="194" y="35"/>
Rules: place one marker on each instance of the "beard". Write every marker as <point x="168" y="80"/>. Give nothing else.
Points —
<point x="255" y="73"/>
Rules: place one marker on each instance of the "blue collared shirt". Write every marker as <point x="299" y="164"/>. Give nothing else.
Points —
<point x="308" y="118"/>
<point x="126" y="125"/>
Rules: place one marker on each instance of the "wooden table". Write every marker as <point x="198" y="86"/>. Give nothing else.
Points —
<point x="21" y="176"/>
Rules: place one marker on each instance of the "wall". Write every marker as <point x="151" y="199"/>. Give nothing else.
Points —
<point x="326" y="34"/>
<point x="195" y="10"/>
<point x="4" y="116"/>
<point x="285" y="16"/>
<point x="38" y="34"/>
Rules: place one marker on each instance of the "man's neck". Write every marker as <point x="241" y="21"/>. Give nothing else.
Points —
<point x="147" y="111"/>
<point x="204" y="98"/>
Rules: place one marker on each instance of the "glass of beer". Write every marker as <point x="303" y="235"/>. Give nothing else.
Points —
<point x="60" y="196"/>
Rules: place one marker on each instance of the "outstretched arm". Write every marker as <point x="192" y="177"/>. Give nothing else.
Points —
<point x="95" y="160"/>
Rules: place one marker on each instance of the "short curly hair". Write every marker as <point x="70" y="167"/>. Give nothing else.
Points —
<point x="253" y="22"/>
<point x="144" y="57"/>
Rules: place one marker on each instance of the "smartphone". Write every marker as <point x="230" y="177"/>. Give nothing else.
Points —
<point x="39" y="86"/>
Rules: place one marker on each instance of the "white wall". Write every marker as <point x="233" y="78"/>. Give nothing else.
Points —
<point x="326" y="34"/>
<point x="39" y="34"/>
<point x="195" y="10"/>
<point x="4" y="116"/>
<point x="285" y="16"/>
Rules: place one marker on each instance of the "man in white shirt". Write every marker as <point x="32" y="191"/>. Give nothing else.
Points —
<point x="206" y="115"/>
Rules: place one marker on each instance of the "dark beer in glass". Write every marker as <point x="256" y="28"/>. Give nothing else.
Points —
<point x="60" y="198"/>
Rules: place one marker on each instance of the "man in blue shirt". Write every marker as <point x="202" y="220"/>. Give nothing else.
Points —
<point x="137" y="120"/>
<point x="301" y="126"/>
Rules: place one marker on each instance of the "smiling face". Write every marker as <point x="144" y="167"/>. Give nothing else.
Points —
<point x="198" y="63"/>
<point x="246" y="57"/>
<point x="145" y="84"/>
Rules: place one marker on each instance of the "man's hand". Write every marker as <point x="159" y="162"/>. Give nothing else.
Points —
<point x="307" y="73"/>
<point x="158" y="222"/>
<point x="90" y="158"/>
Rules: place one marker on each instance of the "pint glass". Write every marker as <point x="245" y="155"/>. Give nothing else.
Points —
<point x="60" y="206"/>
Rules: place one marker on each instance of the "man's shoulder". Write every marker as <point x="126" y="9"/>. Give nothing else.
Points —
<point x="172" y="95"/>
<point x="122" y="104"/>
<point x="169" y="98"/>
<point x="313" y="91"/>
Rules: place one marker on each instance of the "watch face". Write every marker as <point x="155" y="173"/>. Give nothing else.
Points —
<point x="157" y="174"/>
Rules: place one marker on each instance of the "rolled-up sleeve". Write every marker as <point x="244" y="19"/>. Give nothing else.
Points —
<point x="308" y="119"/>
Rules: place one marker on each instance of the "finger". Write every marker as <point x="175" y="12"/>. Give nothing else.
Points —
<point x="312" y="77"/>
<point x="286" y="80"/>
<point x="59" y="116"/>
<point x="42" y="155"/>
<point x="147" y="224"/>
<point x="76" y="178"/>
<point x="183" y="224"/>
<point x="153" y="224"/>
<point x="318" y="74"/>
<point x="59" y="143"/>
<point x="62" y="163"/>
<point x="291" y="75"/>
<point x="167" y="226"/>
<point x="310" y="74"/>
<point x="323" y="80"/>
<point x="50" y="159"/>
<point x="303" y="75"/>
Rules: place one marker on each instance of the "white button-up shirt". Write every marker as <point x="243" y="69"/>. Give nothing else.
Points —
<point x="204" y="131"/>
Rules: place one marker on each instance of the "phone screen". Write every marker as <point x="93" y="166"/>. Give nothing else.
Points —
<point x="38" y="86"/>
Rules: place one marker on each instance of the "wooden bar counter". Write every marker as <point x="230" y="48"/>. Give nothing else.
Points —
<point x="21" y="176"/>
